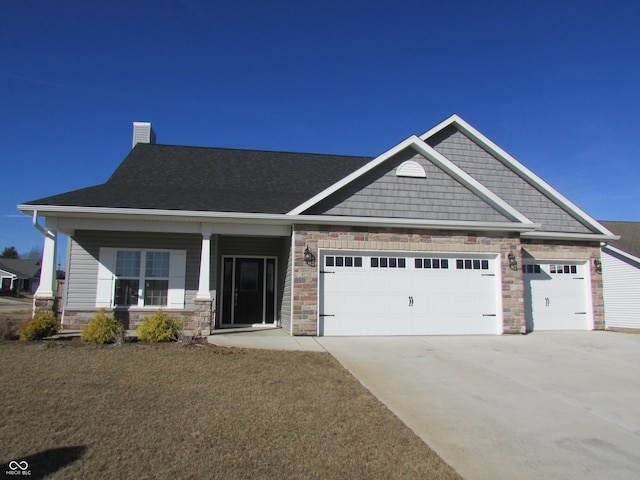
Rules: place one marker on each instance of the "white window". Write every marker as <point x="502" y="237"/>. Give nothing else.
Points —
<point x="141" y="278"/>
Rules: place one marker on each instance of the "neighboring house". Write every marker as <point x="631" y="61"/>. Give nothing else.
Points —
<point x="7" y="281"/>
<point x="621" y="276"/>
<point x="444" y="233"/>
<point x="26" y="274"/>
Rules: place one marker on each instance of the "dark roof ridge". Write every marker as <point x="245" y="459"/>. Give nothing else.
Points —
<point x="618" y="221"/>
<point x="257" y="150"/>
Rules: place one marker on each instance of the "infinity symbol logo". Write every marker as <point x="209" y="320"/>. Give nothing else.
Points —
<point x="13" y="465"/>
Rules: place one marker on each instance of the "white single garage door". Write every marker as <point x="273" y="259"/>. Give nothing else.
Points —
<point x="367" y="293"/>
<point x="557" y="296"/>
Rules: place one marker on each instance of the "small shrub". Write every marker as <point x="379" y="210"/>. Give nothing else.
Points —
<point x="103" y="328"/>
<point x="159" y="328"/>
<point x="43" y="324"/>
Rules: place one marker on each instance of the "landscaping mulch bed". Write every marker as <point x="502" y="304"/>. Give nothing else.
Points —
<point x="192" y="410"/>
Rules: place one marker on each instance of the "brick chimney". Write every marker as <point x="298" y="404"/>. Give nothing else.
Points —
<point x="143" y="133"/>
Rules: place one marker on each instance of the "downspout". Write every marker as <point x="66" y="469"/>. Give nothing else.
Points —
<point x="41" y="229"/>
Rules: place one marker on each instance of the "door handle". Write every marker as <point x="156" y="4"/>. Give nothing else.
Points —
<point x="547" y="301"/>
<point x="235" y="298"/>
<point x="411" y="301"/>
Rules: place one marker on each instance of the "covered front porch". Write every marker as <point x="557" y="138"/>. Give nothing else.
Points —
<point x="219" y="275"/>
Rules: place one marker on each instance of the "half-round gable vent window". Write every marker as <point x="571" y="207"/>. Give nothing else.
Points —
<point x="411" y="168"/>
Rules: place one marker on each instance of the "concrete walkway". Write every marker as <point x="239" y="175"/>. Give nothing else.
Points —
<point x="268" y="338"/>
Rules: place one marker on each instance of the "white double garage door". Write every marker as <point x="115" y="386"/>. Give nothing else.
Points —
<point x="400" y="293"/>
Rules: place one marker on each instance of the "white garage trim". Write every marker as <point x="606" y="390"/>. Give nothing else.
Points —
<point x="408" y="293"/>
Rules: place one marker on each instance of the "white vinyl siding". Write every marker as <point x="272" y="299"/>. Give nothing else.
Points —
<point x="621" y="285"/>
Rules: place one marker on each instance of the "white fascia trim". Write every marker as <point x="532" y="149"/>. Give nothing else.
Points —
<point x="436" y="157"/>
<point x="514" y="164"/>
<point x="353" y="176"/>
<point x="270" y="218"/>
<point x="622" y="253"/>
<point x="151" y="214"/>
<point x="414" y="223"/>
<point x="467" y="180"/>
<point x="441" y="126"/>
<point x="7" y="274"/>
<point x="590" y="237"/>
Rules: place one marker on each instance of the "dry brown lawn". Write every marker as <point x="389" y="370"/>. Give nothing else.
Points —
<point x="12" y="316"/>
<point x="139" y="411"/>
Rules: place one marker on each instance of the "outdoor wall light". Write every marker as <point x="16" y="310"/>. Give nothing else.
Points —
<point x="513" y="263"/>
<point x="597" y="265"/>
<point x="309" y="257"/>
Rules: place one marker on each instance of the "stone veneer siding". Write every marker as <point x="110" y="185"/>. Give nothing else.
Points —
<point x="195" y="323"/>
<point x="305" y="287"/>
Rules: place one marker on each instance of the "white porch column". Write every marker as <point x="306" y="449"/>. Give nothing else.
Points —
<point x="204" y="291"/>
<point x="48" y="266"/>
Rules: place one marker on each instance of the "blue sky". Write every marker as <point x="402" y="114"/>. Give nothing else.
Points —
<point x="554" y="83"/>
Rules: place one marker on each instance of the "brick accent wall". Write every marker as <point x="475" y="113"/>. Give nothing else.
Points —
<point x="194" y="323"/>
<point x="46" y="304"/>
<point x="305" y="285"/>
<point x="202" y="318"/>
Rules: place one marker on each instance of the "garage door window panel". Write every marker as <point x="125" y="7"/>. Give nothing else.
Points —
<point x="431" y="263"/>
<point x="388" y="262"/>
<point x="343" y="261"/>
<point x="531" y="268"/>
<point x="472" y="264"/>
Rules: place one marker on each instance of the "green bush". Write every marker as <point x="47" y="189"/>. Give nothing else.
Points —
<point x="103" y="328"/>
<point x="159" y="328"/>
<point x="43" y="324"/>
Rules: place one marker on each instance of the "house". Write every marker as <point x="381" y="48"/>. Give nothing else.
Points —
<point x="621" y="275"/>
<point x="7" y="281"/>
<point x="24" y="271"/>
<point x="443" y="233"/>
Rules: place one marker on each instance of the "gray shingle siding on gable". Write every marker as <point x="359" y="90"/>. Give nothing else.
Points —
<point x="380" y="193"/>
<point x="504" y="182"/>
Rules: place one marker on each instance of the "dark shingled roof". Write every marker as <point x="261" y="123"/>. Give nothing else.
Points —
<point x="22" y="267"/>
<point x="168" y="177"/>
<point x="629" y="236"/>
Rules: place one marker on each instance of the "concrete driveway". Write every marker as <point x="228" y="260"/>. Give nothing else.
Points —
<point x="545" y="405"/>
